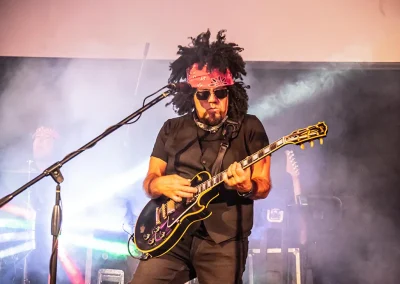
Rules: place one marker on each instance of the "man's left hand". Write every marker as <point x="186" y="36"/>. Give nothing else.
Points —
<point x="238" y="178"/>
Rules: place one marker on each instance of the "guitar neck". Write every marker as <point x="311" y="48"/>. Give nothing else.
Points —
<point x="245" y="163"/>
<point x="296" y="188"/>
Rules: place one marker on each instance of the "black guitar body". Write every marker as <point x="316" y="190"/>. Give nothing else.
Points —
<point x="162" y="222"/>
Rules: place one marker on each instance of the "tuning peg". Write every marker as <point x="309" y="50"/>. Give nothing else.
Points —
<point x="321" y="141"/>
<point x="302" y="146"/>
<point x="312" y="144"/>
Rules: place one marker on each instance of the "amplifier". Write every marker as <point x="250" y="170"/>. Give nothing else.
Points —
<point x="270" y="267"/>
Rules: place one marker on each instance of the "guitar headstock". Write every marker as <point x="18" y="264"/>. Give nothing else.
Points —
<point x="308" y="134"/>
<point x="292" y="167"/>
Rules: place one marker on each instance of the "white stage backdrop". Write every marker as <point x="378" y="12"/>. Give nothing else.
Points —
<point x="269" y="30"/>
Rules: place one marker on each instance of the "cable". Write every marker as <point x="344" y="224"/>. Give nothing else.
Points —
<point x="129" y="250"/>
<point x="144" y="101"/>
<point x="130" y="239"/>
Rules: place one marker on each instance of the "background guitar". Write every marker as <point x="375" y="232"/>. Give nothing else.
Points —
<point x="292" y="168"/>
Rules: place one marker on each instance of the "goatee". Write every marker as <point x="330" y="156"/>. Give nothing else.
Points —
<point x="212" y="120"/>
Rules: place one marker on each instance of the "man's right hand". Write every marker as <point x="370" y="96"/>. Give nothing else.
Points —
<point x="172" y="186"/>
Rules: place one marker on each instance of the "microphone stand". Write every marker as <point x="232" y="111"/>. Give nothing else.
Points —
<point x="55" y="173"/>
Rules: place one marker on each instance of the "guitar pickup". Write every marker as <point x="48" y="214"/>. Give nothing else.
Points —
<point x="158" y="221"/>
<point x="170" y="207"/>
<point x="164" y="211"/>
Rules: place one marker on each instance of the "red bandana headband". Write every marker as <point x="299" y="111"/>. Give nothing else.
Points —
<point x="204" y="79"/>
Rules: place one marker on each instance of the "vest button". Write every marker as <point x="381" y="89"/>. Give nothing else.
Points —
<point x="203" y="162"/>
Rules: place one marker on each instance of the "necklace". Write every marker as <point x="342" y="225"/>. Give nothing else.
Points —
<point x="205" y="127"/>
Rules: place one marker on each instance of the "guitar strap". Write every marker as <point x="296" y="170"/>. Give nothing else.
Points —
<point x="231" y="130"/>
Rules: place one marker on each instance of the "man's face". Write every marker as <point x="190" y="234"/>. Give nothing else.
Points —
<point x="211" y="105"/>
<point x="43" y="146"/>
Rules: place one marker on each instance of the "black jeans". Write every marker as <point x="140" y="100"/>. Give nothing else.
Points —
<point x="196" y="257"/>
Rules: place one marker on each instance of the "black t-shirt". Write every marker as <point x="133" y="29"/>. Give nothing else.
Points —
<point x="255" y="138"/>
<point x="187" y="150"/>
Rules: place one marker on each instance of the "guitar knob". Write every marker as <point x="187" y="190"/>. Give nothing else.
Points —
<point x="312" y="144"/>
<point x="146" y="237"/>
<point x="302" y="146"/>
<point x="321" y="141"/>
<point x="156" y="229"/>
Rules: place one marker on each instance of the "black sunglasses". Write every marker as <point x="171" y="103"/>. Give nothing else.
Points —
<point x="205" y="94"/>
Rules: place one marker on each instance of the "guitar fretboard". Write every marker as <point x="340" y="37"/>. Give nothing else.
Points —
<point x="245" y="163"/>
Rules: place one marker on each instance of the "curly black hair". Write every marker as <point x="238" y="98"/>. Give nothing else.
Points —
<point x="217" y="55"/>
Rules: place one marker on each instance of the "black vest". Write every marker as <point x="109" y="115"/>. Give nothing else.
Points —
<point x="232" y="215"/>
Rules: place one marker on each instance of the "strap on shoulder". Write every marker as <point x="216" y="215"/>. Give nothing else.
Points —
<point x="231" y="130"/>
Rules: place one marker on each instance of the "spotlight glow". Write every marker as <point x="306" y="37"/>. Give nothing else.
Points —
<point x="73" y="273"/>
<point x="17" y="236"/>
<point x="16" y="224"/>
<point x="19" y="211"/>
<point x="111" y="186"/>
<point x="116" y="248"/>
<point x="316" y="83"/>
<point x="18" y="249"/>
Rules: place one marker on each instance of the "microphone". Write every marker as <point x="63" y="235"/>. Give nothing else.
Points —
<point x="181" y="87"/>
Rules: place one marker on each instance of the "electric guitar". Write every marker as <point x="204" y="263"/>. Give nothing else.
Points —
<point x="163" y="222"/>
